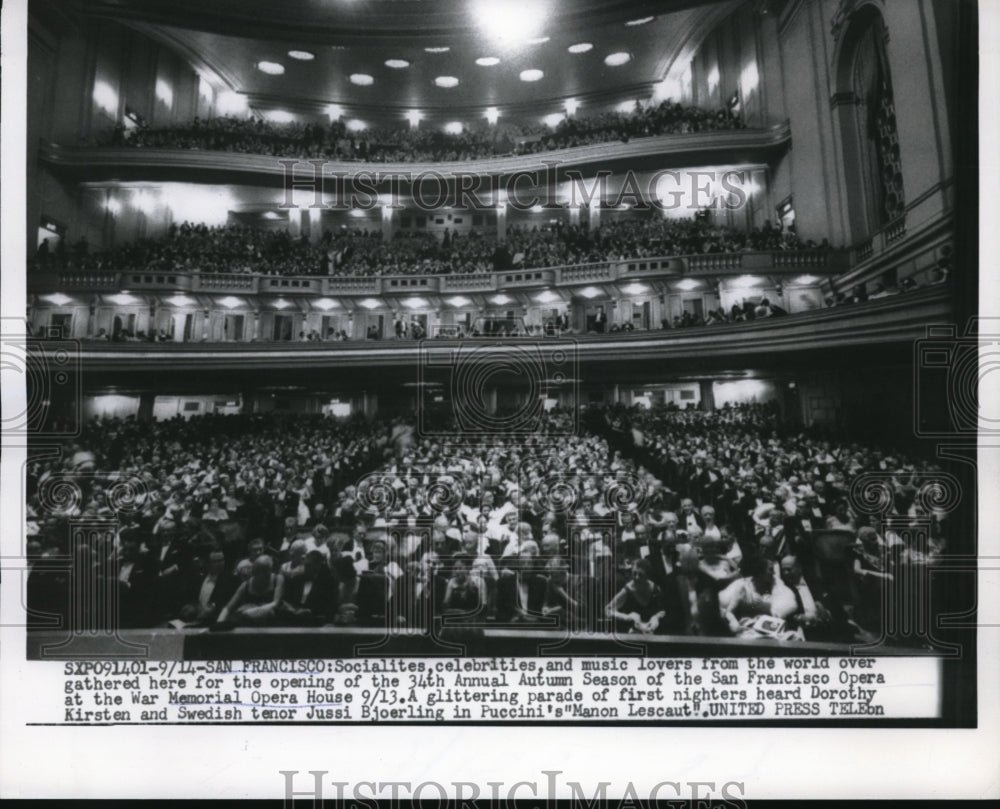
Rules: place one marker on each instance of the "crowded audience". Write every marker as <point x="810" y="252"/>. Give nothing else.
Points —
<point x="336" y="141"/>
<point x="660" y="521"/>
<point x="235" y="248"/>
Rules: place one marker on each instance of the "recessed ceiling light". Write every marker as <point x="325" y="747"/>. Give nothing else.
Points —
<point x="687" y="284"/>
<point x="398" y="64"/>
<point x="492" y="114"/>
<point x="415" y="303"/>
<point x="581" y="47"/>
<point x="362" y="79"/>
<point x="446" y="81"/>
<point x="57" y="298"/>
<point x="453" y="128"/>
<point x="532" y="74"/>
<point x="501" y="299"/>
<point x="370" y="303"/>
<point x="230" y="302"/>
<point x="548" y="296"/>
<point x="635" y="289"/>
<point x="591" y="292"/>
<point x="617" y="59"/>
<point x="459" y="300"/>
<point x="356" y="125"/>
<point x="271" y="68"/>
<point x="181" y="300"/>
<point x="640" y="21"/>
<point x="325" y="304"/>
<point x="302" y="56"/>
<point x="281" y="303"/>
<point x="538" y="40"/>
<point x="487" y="61"/>
<point x="442" y="49"/>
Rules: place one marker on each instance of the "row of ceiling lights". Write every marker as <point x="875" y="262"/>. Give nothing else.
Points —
<point x="415" y="302"/>
<point x="616" y="59"/>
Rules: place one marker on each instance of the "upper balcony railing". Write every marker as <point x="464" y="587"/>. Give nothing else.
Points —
<point x="696" y="148"/>
<point x="824" y="263"/>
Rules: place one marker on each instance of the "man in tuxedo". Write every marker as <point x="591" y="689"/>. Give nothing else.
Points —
<point x="310" y="599"/>
<point x="600" y="321"/>
<point x="206" y="590"/>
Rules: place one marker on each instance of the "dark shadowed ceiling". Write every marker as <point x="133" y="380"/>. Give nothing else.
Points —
<point x="227" y="39"/>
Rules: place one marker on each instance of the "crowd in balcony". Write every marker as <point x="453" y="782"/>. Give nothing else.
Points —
<point x="336" y="141"/>
<point x="678" y="522"/>
<point x="236" y="248"/>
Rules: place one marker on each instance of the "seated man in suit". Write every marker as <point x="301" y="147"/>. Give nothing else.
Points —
<point x="207" y="591"/>
<point x="310" y="599"/>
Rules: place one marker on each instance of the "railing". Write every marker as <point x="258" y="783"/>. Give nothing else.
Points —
<point x="792" y="262"/>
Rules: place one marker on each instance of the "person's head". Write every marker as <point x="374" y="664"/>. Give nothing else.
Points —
<point x="244" y="569"/>
<point x="313" y="562"/>
<point x="687" y="505"/>
<point x="297" y="552"/>
<point x="255" y="548"/>
<point x="291" y="526"/>
<point x="557" y="569"/>
<point x="670" y="521"/>
<point x="840" y="510"/>
<point x="216" y="562"/>
<point x="377" y="552"/>
<point x="528" y="550"/>
<point x="640" y="571"/>
<point x="761" y="572"/>
<point x="262" y="568"/>
<point x="550" y="544"/>
<point x="776" y="516"/>
<point x="708" y="514"/>
<point x="791" y="571"/>
<point x="461" y="564"/>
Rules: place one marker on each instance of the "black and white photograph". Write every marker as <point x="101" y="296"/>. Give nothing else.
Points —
<point x="471" y="366"/>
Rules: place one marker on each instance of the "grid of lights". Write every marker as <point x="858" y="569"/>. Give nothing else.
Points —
<point x="302" y="56"/>
<point x="362" y="79"/>
<point x="396" y="64"/>
<point x="618" y="58"/>
<point x="532" y="74"/>
<point x="446" y="81"/>
<point x="271" y="68"/>
<point x="487" y="61"/>
<point x="581" y="47"/>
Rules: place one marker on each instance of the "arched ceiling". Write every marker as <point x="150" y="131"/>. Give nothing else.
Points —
<point x="227" y="39"/>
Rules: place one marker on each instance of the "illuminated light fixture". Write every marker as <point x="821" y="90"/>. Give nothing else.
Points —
<point x="356" y="125"/>
<point x="164" y="93"/>
<point x="362" y="79"/>
<point x="459" y="300"/>
<point x="501" y="299"/>
<point x="635" y="289"/>
<point x="302" y="56"/>
<point x="357" y="213"/>
<point x="105" y="97"/>
<point x="446" y="81"/>
<point x="414" y="117"/>
<point x="334" y="111"/>
<point x="396" y="64"/>
<point x="626" y="106"/>
<point x="145" y="202"/>
<point x="746" y="281"/>
<point x="492" y="115"/>
<point x="640" y="21"/>
<point x="229" y="102"/>
<point x="181" y="300"/>
<point x="538" y="40"/>
<point x="57" y="298"/>
<point x="271" y="68"/>
<point x="113" y="206"/>
<point x="439" y="49"/>
<point x="453" y="128"/>
<point x="271" y="215"/>
<point x="280" y="303"/>
<point x="487" y="61"/>
<point x="591" y="292"/>
<point x="510" y="21"/>
<point x="713" y="79"/>
<point x="554" y="119"/>
<point x="123" y="299"/>
<point x="618" y="59"/>
<point x="581" y="47"/>
<point x="572" y="105"/>
<point x="537" y="209"/>
<point x="325" y="304"/>
<point x="416" y="303"/>
<point x="230" y="302"/>
<point x="548" y="296"/>
<point x="532" y="74"/>
<point x="370" y="303"/>
<point x="807" y="279"/>
<point x="687" y="284"/>
<point x="279" y="116"/>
